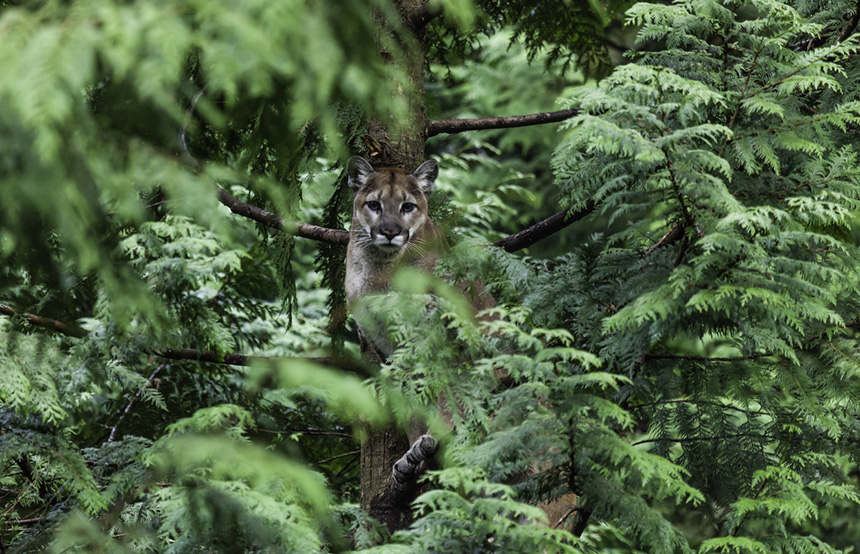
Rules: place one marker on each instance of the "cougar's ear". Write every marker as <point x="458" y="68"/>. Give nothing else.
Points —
<point x="358" y="170"/>
<point x="426" y="175"/>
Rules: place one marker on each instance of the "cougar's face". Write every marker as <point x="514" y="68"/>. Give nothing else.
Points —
<point x="390" y="205"/>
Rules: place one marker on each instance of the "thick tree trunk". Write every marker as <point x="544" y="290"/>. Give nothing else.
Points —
<point x="402" y="144"/>
<point x="395" y="145"/>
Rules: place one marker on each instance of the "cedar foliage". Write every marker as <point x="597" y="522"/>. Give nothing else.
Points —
<point x="689" y="369"/>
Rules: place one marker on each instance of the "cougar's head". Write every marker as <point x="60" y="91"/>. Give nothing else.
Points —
<point x="390" y="204"/>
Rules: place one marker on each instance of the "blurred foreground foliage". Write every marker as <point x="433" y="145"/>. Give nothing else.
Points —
<point x="684" y="360"/>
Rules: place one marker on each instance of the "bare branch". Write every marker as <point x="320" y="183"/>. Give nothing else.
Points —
<point x="512" y="243"/>
<point x="851" y="25"/>
<point x="437" y="127"/>
<point x="543" y="229"/>
<point x="344" y="455"/>
<point x="53" y="324"/>
<point x="672" y="236"/>
<point x="131" y="402"/>
<point x="704" y="358"/>
<point x="347" y="365"/>
<point x="273" y="220"/>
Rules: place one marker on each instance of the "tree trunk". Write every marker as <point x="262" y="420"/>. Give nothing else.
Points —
<point x="402" y="144"/>
<point x="395" y="145"/>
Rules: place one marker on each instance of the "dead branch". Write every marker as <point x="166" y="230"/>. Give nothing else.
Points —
<point x="851" y="25"/>
<point x="437" y="127"/>
<point x="38" y="321"/>
<point x="273" y="220"/>
<point x="112" y="435"/>
<point x="543" y="229"/>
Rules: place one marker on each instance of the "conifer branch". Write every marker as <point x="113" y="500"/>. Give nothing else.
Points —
<point x="731" y="123"/>
<point x="672" y="236"/>
<point x="128" y="407"/>
<point x="437" y="127"/>
<point x="68" y="329"/>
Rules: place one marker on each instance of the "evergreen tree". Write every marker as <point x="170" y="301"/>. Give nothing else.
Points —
<point x="676" y="371"/>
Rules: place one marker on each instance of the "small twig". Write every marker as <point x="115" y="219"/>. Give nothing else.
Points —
<point x="184" y="130"/>
<point x="327" y="460"/>
<point x="349" y="465"/>
<point x="755" y="497"/>
<point x="671" y="237"/>
<point x="697" y="439"/>
<point x="632" y="407"/>
<point x="23" y="521"/>
<point x="438" y="127"/>
<point x="567" y="515"/>
<point x="128" y="406"/>
<point x="704" y="358"/>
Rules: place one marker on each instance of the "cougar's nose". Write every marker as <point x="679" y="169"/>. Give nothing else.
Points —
<point x="390" y="231"/>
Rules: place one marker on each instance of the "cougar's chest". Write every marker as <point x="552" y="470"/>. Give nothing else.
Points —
<point x="365" y="275"/>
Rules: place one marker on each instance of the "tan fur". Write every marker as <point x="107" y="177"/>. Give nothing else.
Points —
<point x="390" y="228"/>
<point x="412" y="238"/>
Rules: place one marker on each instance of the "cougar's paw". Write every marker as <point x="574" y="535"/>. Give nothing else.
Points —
<point x="406" y="468"/>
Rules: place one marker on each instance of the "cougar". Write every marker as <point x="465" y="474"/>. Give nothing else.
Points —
<point x="390" y="228"/>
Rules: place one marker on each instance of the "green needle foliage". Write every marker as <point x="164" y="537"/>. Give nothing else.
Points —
<point x="683" y="379"/>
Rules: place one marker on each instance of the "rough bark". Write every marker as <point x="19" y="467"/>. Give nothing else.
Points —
<point x="401" y="143"/>
<point x="395" y="145"/>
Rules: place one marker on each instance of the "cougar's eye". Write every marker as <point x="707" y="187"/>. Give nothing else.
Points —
<point x="407" y="207"/>
<point x="374" y="205"/>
